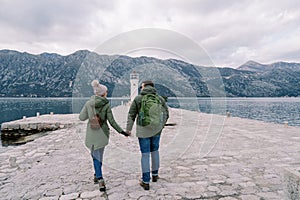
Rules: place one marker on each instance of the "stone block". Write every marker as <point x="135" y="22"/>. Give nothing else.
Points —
<point x="54" y="192"/>
<point x="33" y="126"/>
<point x="70" y="189"/>
<point x="13" y="126"/>
<point x="228" y="198"/>
<point x="131" y="183"/>
<point x="40" y="126"/>
<point x="69" y="196"/>
<point x="53" y="127"/>
<point x="24" y="126"/>
<point x="13" y="161"/>
<point x="292" y="182"/>
<point x="4" y="126"/>
<point x="249" y="197"/>
<point x="89" y="195"/>
<point x="50" y="198"/>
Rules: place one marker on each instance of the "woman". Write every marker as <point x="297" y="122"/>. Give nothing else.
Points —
<point x="97" y="138"/>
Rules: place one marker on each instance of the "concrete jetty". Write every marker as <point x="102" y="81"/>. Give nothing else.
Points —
<point x="202" y="157"/>
<point x="32" y="125"/>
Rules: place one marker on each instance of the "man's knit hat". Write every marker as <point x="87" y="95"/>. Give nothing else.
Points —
<point x="99" y="89"/>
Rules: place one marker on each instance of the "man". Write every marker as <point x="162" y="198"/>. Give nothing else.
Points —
<point x="148" y="136"/>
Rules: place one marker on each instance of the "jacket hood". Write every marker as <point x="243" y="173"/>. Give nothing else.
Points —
<point x="148" y="90"/>
<point x="98" y="101"/>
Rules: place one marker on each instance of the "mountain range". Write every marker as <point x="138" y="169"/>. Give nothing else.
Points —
<point x="53" y="75"/>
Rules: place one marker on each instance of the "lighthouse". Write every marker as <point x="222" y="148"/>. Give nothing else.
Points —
<point x="134" y="85"/>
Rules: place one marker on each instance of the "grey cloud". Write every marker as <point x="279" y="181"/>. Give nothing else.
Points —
<point x="38" y="18"/>
<point x="231" y="31"/>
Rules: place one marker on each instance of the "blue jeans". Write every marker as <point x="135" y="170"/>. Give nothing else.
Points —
<point x="97" y="156"/>
<point x="149" y="146"/>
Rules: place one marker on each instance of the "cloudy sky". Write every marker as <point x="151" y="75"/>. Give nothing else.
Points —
<point x="231" y="31"/>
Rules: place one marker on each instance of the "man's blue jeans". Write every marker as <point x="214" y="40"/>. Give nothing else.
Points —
<point x="149" y="146"/>
<point x="97" y="156"/>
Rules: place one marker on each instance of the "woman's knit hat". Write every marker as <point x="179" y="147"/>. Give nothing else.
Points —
<point x="99" y="89"/>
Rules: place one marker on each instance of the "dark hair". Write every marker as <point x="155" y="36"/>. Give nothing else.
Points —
<point x="148" y="83"/>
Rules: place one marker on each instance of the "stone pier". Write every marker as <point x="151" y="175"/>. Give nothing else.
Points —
<point x="246" y="160"/>
<point x="32" y="125"/>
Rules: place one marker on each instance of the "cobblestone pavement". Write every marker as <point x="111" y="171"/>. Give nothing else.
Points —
<point x="202" y="157"/>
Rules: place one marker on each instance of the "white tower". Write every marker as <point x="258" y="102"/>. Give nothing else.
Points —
<point x="134" y="85"/>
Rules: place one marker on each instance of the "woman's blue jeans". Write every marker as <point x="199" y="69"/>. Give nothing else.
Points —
<point x="149" y="146"/>
<point x="97" y="156"/>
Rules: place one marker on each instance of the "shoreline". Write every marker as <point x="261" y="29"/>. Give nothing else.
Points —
<point x="240" y="107"/>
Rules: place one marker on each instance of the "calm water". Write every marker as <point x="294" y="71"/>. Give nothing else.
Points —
<point x="275" y="110"/>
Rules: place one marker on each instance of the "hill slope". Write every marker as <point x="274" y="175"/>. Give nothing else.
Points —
<point x="53" y="75"/>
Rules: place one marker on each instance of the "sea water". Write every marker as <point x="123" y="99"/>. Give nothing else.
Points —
<point x="276" y="110"/>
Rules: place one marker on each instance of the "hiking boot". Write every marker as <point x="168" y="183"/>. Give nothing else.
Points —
<point x="154" y="178"/>
<point x="95" y="180"/>
<point x="102" y="187"/>
<point x="146" y="186"/>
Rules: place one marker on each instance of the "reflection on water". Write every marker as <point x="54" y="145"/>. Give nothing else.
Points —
<point x="277" y="110"/>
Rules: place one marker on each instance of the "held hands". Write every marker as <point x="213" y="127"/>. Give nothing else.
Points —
<point x="127" y="133"/>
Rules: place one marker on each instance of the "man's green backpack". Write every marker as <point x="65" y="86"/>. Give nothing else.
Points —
<point x="151" y="112"/>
